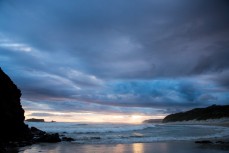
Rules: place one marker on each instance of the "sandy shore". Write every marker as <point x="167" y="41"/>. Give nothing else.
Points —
<point x="157" y="147"/>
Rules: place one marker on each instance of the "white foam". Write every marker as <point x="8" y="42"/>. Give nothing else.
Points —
<point x="208" y="121"/>
<point x="89" y="128"/>
<point x="123" y="133"/>
<point x="112" y="129"/>
<point x="120" y="139"/>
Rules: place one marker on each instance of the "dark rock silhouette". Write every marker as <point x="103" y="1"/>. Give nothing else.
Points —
<point x="41" y="136"/>
<point x="211" y="112"/>
<point x="13" y="131"/>
<point x="11" y="112"/>
<point x="203" y="141"/>
<point x="67" y="139"/>
<point x="35" y="120"/>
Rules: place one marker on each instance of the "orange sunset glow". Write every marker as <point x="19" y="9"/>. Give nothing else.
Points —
<point x="92" y="117"/>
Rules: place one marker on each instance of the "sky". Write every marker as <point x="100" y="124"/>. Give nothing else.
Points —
<point x="115" y="60"/>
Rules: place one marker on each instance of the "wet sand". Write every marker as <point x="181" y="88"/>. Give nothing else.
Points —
<point x="157" y="147"/>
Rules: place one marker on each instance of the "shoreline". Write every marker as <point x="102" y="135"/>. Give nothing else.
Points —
<point x="158" y="147"/>
<point x="224" y="122"/>
<point x="170" y="146"/>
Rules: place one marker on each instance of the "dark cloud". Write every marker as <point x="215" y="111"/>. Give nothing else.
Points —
<point x="117" y="54"/>
<point x="222" y="78"/>
<point x="216" y="61"/>
<point x="147" y="33"/>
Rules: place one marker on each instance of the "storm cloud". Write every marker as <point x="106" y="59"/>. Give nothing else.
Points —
<point x="148" y="56"/>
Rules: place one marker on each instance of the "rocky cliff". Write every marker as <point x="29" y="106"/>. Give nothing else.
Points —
<point x="11" y="112"/>
<point x="211" y="112"/>
<point x="13" y="131"/>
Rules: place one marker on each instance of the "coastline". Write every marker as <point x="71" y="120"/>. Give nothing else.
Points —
<point x="158" y="147"/>
<point x="224" y="122"/>
<point x="217" y="145"/>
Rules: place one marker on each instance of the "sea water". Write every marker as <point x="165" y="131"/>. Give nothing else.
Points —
<point x="91" y="133"/>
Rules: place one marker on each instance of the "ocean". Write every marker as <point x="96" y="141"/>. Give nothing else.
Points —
<point x="91" y="133"/>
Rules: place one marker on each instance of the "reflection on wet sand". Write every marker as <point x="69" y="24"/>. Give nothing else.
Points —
<point x="163" y="147"/>
<point x="143" y="147"/>
<point x="120" y="148"/>
<point x="138" y="148"/>
<point x="48" y="148"/>
<point x="157" y="147"/>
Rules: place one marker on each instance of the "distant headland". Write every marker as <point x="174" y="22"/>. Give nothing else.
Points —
<point x="211" y="112"/>
<point x="198" y="114"/>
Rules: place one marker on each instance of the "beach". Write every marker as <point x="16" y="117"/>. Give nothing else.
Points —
<point x="114" y="76"/>
<point x="143" y="138"/>
<point x="157" y="147"/>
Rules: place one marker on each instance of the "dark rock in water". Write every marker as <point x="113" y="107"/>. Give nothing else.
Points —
<point x="11" y="112"/>
<point x="35" y="120"/>
<point x="211" y="112"/>
<point x="51" y="138"/>
<point x="217" y="145"/>
<point x="220" y="142"/>
<point x="95" y="138"/>
<point x="41" y="136"/>
<point x="36" y="132"/>
<point x="67" y="139"/>
<point x="203" y="142"/>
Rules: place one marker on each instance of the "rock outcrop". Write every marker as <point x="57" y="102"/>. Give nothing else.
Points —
<point x="12" y="117"/>
<point x="211" y="112"/>
<point x="13" y="131"/>
<point x="35" y="120"/>
<point x="41" y="136"/>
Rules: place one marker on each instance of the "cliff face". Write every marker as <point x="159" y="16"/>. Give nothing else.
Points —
<point x="211" y="112"/>
<point x="11" y="112"/>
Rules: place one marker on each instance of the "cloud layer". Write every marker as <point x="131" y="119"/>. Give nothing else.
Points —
<point x="148" y="57"/>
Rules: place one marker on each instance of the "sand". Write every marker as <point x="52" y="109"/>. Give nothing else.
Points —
<point x="157" y="147"/>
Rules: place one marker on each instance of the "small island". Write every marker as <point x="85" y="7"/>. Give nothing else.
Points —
<point x="35" y="120"/>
